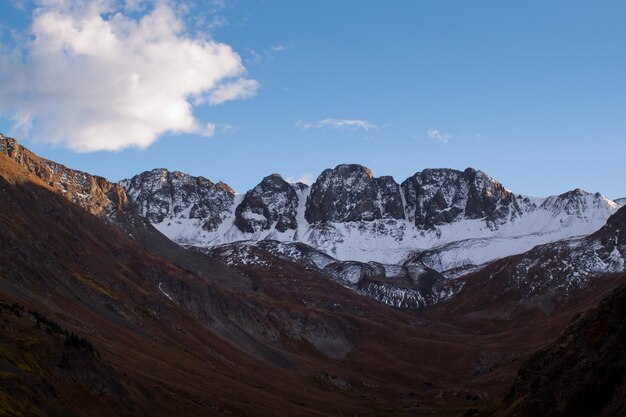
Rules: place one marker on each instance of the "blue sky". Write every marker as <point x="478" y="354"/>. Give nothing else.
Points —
<point x="531" y="92"/>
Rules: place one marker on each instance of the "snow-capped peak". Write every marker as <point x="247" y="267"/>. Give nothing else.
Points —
<point x="352" y="215"/>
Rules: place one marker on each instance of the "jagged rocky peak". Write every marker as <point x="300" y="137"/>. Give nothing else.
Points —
<point x="7" y="145"/>
<point x="161" y="194"/>
<point x="272" y="203"/>
<point x="488" y="198"/>
<point x="351" y="193"/>
<point x="577" y="202"/>
<point x="299" y="186"/>
<point x="440" y="196"/>
<point x="95" y="194"/>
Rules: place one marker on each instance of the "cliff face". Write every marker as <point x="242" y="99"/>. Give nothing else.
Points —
<point x="159" y="194"/>
<point x="350" y="193"/>
<point x="439" y="196"/>
<point x="272" y="203"/>
<point x="95" y="194"/>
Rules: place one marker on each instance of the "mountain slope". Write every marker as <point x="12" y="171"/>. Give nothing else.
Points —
<point x="405" y="287"/>
<point x="178" y="333"/>
<point x="173" y="340"/>
<point x="172" y="333"/>
<point x="545" y="276"/>
<point x="583" y="372"/>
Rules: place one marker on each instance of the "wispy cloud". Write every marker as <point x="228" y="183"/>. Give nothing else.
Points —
<point x="278" y="48"/>
<point x="216" y="5"/>
<point x="256" y="57"/>
<point x="351" y="124"/>
<point x="303" y="125"/>
<point x="252" y="57"/>
<point x="338" y="124"/>
<point x="93" y="76"/>
<point x="304" y="178"/>
<point x="227" y="128"/>
<point x="216" y="22"/>
<point x="134" y="6"/>
<point x="19" y="4"/>
<point x="242" y="88"/>
<point x="438" y="135"/>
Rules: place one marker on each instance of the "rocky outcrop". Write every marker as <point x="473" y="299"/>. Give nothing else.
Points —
<point x="406" y="287"/>
<point x="350" y="193"/>
<point x="272" y="203"/>
<point x="439" y="196"/>
<point x="95" y="194"/>
<point x="160" y="194"/>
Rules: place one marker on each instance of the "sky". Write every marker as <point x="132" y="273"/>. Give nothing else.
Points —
<point x="533" y="92"/>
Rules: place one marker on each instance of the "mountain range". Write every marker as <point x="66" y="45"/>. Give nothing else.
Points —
<point x="357" y="295"/>
<point x="351" y="215"/>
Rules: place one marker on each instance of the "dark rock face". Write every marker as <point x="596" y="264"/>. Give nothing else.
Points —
<point x="390" y="198"/>
<point x="159" y="193"/>
<point x="300" y="186"/>
<point x="350" y="193"/>
<point x="582" y="373"/>
<point x="439" y="196"/>
<point x="273" y="202"/>
<point x="611" y="234"/>
<point x="487" y="198"/>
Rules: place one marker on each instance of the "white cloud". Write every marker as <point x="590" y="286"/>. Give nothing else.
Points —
<point x="438" y="135"/>
<point x="340" y="124"/>
<point x="304" y="178"/>
<point x="91" y="78"/>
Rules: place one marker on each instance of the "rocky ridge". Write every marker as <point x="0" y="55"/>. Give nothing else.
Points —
<point x="351" y="215"/>
<point x="95" y="194"/>
<point x="573" y="263"/>
<point x="160" y="194"/>
<point x="406" y="287"/>
<point x="402" y="244"/>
